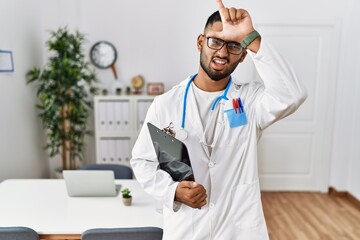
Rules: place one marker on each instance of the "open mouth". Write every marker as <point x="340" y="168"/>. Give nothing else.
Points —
<point x="219" y="63"/>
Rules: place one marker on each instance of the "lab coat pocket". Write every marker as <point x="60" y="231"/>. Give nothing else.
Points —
<point x="236" y="119"/>
<point x="246" y="203"/>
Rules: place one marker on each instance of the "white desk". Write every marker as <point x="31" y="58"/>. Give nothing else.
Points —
<point x="43" y="204"/>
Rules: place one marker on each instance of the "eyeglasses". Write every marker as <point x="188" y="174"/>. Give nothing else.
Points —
<point x="217" y="44"/>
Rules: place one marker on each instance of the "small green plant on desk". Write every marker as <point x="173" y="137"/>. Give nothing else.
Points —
<point x="127" y="198"/>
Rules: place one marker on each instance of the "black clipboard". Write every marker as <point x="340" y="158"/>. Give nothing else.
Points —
<point x="172" y="155"/>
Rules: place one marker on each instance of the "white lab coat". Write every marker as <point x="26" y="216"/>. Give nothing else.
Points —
<point x="230" y="173"/>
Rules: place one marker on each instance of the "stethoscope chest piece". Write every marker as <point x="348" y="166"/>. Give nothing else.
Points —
<point x="181" y="134"/>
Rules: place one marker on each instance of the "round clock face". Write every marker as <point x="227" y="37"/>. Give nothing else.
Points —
<point x="137" y="82"/>
<point x="103" y="54"/>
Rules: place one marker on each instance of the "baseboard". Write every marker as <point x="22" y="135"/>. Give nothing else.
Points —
<point x="344" y="194"/>
<point x="335" y="193"/>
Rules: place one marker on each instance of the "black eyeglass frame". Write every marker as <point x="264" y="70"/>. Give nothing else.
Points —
<point x="223" y="43"/>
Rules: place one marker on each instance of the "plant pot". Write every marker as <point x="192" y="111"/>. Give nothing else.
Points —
<point x="127" y="201"/>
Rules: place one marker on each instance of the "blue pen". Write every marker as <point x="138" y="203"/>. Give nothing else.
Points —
<point x="240" y="105"/>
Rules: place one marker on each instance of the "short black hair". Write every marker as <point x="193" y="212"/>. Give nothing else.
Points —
<point x="215" y="17"/>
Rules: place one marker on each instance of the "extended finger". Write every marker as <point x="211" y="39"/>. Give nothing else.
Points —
<point x="220" y="4"/>
<point x="224" y="12"/>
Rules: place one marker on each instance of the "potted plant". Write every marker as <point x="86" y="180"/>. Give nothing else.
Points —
<point x="127" y="199"/>
<point x="65" y="86"/>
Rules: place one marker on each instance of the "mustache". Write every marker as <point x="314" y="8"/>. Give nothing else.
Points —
<point x="218" y="57"/>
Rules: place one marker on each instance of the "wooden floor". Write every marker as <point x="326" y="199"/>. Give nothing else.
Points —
<point x="310" y="216"/>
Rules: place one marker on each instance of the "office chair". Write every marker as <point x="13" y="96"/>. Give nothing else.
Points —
<point x="18" y="233"/>
<point x="139" y="233"/>
<point x="120" y="171"/>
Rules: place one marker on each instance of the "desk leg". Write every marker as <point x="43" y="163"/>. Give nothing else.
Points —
<point x="60" y="236"/>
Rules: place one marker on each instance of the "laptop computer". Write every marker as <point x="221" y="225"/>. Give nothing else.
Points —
<point x="172" y="154"/>
<point x="90" y="183"/>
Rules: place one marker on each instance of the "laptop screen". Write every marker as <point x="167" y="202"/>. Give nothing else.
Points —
<point x="90" y="183"/>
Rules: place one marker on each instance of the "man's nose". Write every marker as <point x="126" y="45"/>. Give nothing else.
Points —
<point x="223" y="52"/>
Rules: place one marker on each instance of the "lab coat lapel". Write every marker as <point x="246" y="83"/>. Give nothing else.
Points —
<point x="193" y="115"/>
<point x="214" y="126"/>
<point x="219" y="122"/>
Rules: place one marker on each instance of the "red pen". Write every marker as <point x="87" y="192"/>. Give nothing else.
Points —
<point x="236" y="105"/>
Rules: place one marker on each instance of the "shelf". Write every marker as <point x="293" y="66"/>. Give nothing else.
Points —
<point x="118" y="120"/>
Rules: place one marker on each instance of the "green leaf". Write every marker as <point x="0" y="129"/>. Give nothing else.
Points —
<point x="66" y="82"/>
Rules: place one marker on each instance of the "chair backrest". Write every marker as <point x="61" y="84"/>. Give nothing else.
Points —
<point x="18" y="233"/>
<point x="120" y="171"/>
<point x="140" y="233"/>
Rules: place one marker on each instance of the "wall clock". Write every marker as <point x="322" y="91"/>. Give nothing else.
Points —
<point x="103" y="55"/>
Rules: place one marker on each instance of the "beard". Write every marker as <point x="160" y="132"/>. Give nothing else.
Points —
<point x="213" y="74"/>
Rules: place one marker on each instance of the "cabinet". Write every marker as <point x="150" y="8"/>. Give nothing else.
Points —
<point x="118" y="120"/>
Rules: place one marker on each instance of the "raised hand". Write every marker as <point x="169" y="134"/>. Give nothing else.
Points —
<point x="237" y="23"/>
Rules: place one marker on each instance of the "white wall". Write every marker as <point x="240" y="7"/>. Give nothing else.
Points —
<point x="21" y="140"/>
<point x="156" y="39"/>
<point x="345" y="162"/>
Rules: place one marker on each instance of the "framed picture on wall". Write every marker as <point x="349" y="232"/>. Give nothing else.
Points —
<point x="155" y="88"/>
<point x="6" y="61"/>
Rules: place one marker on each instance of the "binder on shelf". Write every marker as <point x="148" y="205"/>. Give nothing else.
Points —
<point x="117" y="119"/>
<point x="110" y="107"/>
<point x="126" y="150"/>
<point x="111" y="150"/>
<point x="104" y="151"/>
<point x="119" y="151"/>
<point x="102" y="116"/>
<point x="126" y="114"/>
<point x="118" y="116"/>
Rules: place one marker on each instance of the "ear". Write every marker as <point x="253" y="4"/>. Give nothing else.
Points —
<point x="200" y="40"/>
<point x="243" y="55"/>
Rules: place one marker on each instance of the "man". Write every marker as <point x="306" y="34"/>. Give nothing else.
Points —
<point x="220" y="121"/>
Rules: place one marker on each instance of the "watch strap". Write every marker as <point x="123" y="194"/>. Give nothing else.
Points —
<point x="249" y="39"/>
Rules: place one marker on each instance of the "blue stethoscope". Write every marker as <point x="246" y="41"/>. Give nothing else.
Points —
<point x="182" y="134"/>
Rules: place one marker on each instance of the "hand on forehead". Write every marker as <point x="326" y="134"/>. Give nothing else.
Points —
<point x="229" y="16"/>
<point x="236" y="23"/>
